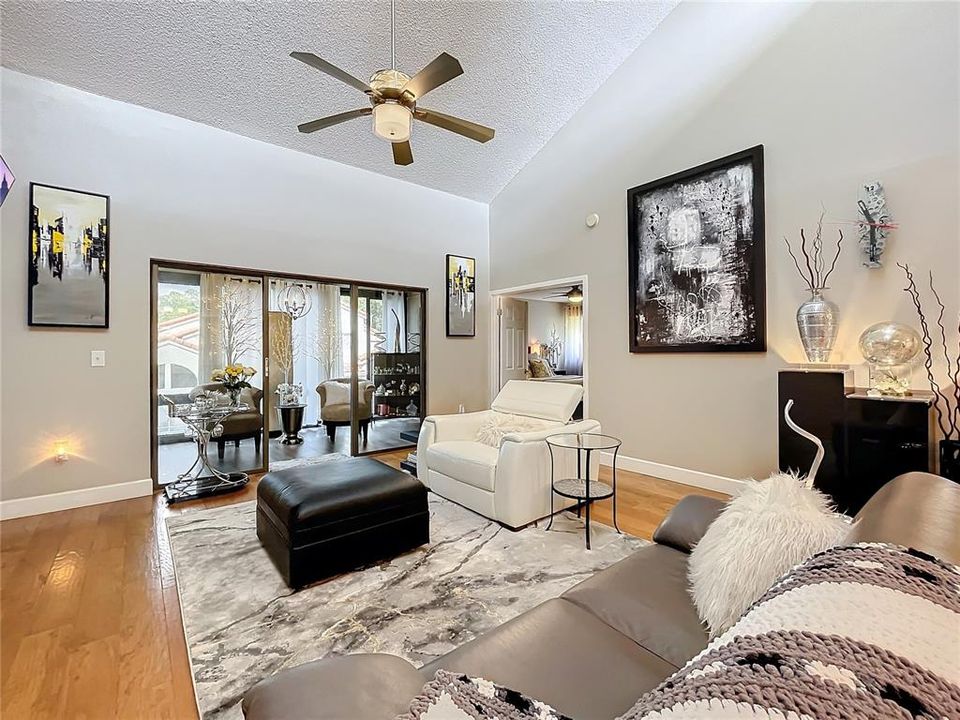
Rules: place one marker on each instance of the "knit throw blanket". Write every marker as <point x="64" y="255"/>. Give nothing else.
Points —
<point x="861" y="631"/>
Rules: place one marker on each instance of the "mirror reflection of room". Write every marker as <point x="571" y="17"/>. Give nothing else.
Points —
<point x="310" y="379"/>
<point x="207" y="322"/>
<point x="390" y="367"/>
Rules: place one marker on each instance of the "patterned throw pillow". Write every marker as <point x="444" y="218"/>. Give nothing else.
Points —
<point x="539" y="368"/>
<point x="450" y="696"/>
<point x="859" y="631"/>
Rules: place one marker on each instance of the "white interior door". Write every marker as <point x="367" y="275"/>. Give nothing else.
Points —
<point x="513" y="340"/>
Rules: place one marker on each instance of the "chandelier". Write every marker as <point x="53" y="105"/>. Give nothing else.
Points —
<point x="295" y="300"/>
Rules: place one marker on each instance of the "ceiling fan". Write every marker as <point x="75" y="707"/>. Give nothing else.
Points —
<point x="573" y="295"/>
<point x="393" y="99"/>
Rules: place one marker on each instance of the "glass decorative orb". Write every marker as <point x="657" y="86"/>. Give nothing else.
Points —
<point x="889" y="344"/>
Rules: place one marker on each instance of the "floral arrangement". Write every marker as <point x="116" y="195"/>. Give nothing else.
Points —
<point x="234" y="377"/>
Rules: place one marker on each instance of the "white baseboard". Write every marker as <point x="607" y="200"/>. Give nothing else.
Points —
<point x="54" y="502"/>
<point x="694" y="478"/>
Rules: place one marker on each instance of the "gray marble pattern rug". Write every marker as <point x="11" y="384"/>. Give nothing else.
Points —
<point x="242" y="623"/>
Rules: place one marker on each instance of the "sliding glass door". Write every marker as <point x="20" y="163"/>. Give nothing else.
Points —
<point x="390" y="369"/>
<point x="309" y="368"/>
<point x="204" y="323"/>
<point x="338" y="367"/>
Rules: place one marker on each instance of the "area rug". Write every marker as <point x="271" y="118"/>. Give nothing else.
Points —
<point x="242" y="623"/>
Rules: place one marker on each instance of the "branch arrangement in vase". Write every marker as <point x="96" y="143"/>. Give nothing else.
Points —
<point x="815" y="273"/>
<point x="947" y="403"/>
<point x="817" y="318"/>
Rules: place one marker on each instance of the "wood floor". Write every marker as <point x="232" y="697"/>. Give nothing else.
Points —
<point x="89" y="617"/>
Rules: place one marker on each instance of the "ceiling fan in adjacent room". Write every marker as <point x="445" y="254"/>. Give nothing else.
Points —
<point x="573" y="295"/>
<point x="393" y="99"/>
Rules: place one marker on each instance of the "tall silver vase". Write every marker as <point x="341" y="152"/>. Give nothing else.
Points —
<point x="817" y="321"/>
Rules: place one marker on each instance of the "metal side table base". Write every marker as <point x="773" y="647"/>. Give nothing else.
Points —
<point x="582" y="488"/>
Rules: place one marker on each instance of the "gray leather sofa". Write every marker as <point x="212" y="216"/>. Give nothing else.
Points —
<point x="592" y="652"/>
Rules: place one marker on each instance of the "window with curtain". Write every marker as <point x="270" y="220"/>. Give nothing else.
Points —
<point x="573" y="344"/>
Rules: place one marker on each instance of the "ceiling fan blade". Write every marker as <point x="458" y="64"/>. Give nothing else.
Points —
<point x="332" y="70"/>
<point x="402" y="153"/>
<point x="454" y="124"/>
<point x="441" y="69"/>
<point x="314" y="125"/>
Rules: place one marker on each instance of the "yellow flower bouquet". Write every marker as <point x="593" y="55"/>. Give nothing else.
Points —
<point x="234" y="378"/>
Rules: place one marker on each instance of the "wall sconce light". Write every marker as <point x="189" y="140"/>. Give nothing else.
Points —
<point x="61" y="453"/>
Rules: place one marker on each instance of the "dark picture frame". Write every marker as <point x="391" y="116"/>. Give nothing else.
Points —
<point x="460" y="289"/>
<point x="702" y="286"/>
<point x="65" y="265"/>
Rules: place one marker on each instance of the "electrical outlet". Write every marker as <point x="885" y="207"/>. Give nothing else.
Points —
<point x="98" y="358"/>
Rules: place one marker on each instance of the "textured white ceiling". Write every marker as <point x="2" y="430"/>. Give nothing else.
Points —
<point x="528" y="67"/>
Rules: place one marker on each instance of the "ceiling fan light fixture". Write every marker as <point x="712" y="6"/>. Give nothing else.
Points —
<point x="391" y="121"/>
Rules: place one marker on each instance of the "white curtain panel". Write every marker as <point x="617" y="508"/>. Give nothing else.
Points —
<point x="573" y="343"/>
<point x="230" y="323"/>
<point x="210" y="349"/>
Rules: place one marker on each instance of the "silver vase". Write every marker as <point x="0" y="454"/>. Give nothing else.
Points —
<point x="817" y="321"/>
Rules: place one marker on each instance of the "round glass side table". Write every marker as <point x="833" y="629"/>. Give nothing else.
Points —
<point x="583" y="488"/>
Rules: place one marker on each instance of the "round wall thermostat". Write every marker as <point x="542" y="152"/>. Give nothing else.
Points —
<point x="592" y="220"/>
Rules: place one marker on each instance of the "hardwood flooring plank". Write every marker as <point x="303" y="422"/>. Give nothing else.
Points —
<point x="90" y="622"/>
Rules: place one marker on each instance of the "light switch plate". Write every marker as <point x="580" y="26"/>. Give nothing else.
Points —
<point x="98" y="358"/>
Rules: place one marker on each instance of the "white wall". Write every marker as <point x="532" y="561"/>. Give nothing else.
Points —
<point x="839" y="94"/>
<point x="542" y="318"/>
<point x="184" y="191"/>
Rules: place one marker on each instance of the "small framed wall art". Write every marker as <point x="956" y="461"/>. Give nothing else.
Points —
<point x="696" y="259"/>
<point x="6" y="179"/>
<point x="461" y="296"/>
<point x="69" y="258"/>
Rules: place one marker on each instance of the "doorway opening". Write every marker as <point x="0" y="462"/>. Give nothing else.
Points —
<point x="541" y="334"/>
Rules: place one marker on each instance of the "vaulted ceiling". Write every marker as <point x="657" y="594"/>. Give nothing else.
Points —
<point x="529" y="65"/>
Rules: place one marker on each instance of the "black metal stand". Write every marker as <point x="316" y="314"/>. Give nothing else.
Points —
<point x="196" y="488"/>
<point x="583" y="488"/>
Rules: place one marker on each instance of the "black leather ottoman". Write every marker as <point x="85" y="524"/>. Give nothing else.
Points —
<point x="319" y="520"/>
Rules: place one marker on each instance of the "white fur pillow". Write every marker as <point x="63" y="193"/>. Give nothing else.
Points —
<point x="496" y="425"/>
<point x="769" y="528"/>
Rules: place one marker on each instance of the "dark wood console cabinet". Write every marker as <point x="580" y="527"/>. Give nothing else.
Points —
<point x="867" y="440"/>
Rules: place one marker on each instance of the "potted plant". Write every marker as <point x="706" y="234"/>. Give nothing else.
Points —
<point x="946" y="401"/>
<point x="234" y="378"/>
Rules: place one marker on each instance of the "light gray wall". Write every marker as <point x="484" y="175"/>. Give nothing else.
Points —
<point x="184" y="191"/>
<point x="839" y="94"/>
<point x="542" y="318"/>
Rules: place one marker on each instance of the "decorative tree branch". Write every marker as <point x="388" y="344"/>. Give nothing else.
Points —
<point x="282" y="347"/>
<point x="815" y="278"/>
<point x="954" y="414"/>
<point x="806" y="257"/>
<point x="836" y="257"/>
<point x="327" y="346"/>
<point x="239" y="321"/>
<point x="940" y="396"/>
<point x="796" y="262"/>
<point x="818" y="252"/>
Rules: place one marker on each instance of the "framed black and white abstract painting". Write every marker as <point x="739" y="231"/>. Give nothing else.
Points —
<point x="696" y="255"/>
<point x="461" y="296"/>
<point x="69" y="282"/>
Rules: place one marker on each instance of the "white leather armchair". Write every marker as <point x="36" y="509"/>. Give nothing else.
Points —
<point x="509" y="483"/>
